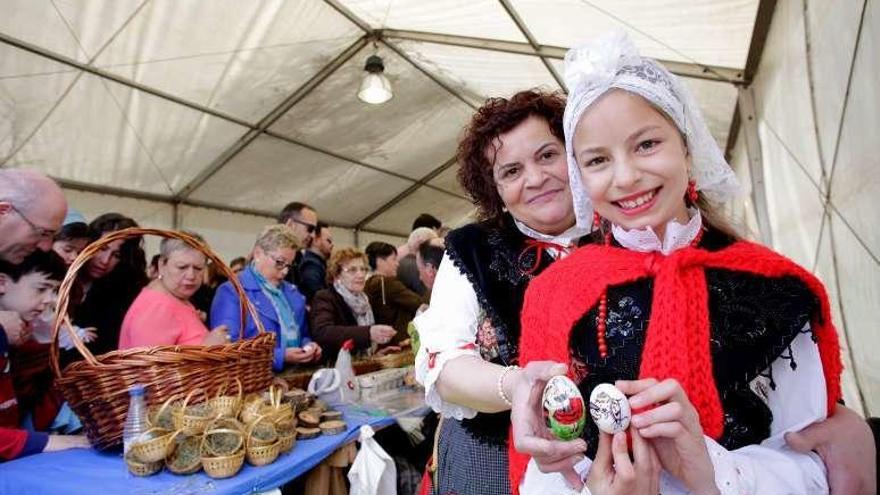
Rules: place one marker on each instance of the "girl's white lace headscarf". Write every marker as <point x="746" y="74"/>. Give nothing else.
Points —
<point x="612" y="61"/>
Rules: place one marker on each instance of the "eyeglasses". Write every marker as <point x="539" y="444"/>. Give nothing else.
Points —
<point x="281" y="263"/>
<point x="39" y="231"/>
<point x="310" y="227"/>
<point x="355" y="269"/>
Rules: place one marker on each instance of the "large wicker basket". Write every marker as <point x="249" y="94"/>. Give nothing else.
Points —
<point x="97" y="387"/>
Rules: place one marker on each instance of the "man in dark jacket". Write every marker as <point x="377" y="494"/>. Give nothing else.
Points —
<point x="312" y="267"/>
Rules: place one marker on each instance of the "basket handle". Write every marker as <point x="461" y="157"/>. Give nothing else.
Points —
<point x="250" y="429"/>
<point x="61" y="312"/>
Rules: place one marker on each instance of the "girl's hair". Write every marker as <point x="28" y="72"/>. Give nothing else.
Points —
<point x="498" y="116"/>
<point x="75" y="230"/>
<point x="132" y="259"/>
<point x="341" y="257"/>
<point x="378" y="249"/>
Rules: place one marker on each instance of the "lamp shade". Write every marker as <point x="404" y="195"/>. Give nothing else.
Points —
<point x="375" y="87"/>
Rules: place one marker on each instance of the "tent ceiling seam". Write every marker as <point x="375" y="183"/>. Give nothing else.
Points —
<point x="831" y="204"/>
<point x="25" y="46"/>
<point x="683" y="69"/>
<point x="842" y="314"/>
<point x="653" y="38"/>
<point x="521" y="25"/>
<point x="9" y="40"/>
<point x="137" y="136"/>
<point x="378" y="34"/>
<point x="846" y="94"/>
<point x="271" y="117"/>
<point x="454" y="92"/>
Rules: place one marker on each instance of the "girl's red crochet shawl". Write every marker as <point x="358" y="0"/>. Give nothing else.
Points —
<point x="677" y="340"/>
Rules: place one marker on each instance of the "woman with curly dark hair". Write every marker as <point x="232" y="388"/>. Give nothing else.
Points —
<point x="513" y="166"/>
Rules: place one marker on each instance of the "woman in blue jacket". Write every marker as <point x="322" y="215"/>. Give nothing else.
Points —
<point x="280" y="306"/>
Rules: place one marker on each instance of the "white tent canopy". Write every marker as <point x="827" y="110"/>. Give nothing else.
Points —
<point x="212" y="115"/>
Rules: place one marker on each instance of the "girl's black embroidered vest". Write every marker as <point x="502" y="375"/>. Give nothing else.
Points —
<point x="753" y="321"/>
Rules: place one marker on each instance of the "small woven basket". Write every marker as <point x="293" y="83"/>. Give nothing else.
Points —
<point x="286" y="429"/>
<point x="163" y="416"/>
<point x="268" y="422"/>
<point x="223" y="467"/>
<point x="153" y="449"/>
<point x="191" y="424"/>
<point x="214" y="431"/>
<point x="227" y="405"/>
<point x="139" y="468"/>
<point x="97" y="387"/>
<point x="181" y="442"/>
<point x="262" y="452"/>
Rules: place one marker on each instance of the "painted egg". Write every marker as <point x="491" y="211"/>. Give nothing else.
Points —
<point x="564" y="411"/>
<point x="609" y="408"/>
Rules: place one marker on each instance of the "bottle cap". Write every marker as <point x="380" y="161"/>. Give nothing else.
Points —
<point x="136" y="390"/>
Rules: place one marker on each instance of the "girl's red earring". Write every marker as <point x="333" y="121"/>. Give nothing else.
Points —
<point x="596" y="219"/>
<point x="692" y="191"/>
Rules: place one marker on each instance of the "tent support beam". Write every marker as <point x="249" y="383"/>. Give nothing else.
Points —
<point x="175" y="205"/>
<point x="712" y="73"/>
<point x="449" y="89"/>
<point x="406" y="192"/>
<point x="23" y="45"/>
<point x="514" y="16"/>
<point x="271" y="118"/>
<point x="763" y="19"/>
<point x="749" y="119"/>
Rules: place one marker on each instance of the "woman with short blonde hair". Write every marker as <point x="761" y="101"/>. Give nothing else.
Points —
<point x="282" y="308"/>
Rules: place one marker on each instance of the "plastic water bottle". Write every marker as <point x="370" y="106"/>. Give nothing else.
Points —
<point x="136" y="419"/>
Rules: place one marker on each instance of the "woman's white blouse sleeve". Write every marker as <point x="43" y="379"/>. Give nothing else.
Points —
<point x="447" y="330"/>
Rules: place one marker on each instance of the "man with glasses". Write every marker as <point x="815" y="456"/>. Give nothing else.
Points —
<point x="32" y="209"/>
<point x="303" y="219"/>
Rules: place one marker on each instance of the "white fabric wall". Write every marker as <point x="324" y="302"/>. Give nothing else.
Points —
<point x="816" y="138"/>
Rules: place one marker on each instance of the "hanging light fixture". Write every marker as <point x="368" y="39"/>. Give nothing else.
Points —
<point x="375" y="88"/>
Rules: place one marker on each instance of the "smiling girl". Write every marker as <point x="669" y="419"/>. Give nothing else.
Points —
<point x="722" y="345"/>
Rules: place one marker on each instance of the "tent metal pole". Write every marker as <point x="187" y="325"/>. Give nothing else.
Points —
<point x="684" y="69"/>
<point x="275" y="114"/>
<point x="749" y="119"/>
<point x="252" y="128"/>
<point x="514" y="16"/>
<point x="760" y="30"/>
<point x="449" y="89"/>
<point x="348" y="14"/>
<point x="406" y="192"/>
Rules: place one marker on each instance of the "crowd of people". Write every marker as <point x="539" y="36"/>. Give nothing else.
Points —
<point x="312" y="296"/>
<point x="600" y="252"/>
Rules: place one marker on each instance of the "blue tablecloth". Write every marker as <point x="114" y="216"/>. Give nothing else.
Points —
<point x="90" y="471"/>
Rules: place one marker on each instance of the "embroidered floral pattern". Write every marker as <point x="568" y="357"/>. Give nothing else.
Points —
<point x="487" y="340"/>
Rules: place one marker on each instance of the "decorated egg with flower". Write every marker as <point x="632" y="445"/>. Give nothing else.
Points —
<point x="564" y="410"/>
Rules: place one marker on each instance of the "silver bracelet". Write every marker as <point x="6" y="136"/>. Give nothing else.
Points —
<point x="501" y="394"/>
